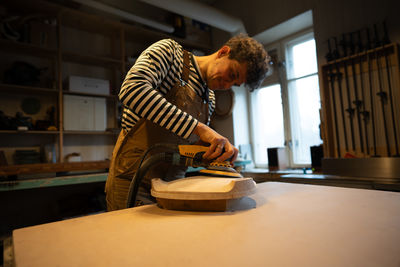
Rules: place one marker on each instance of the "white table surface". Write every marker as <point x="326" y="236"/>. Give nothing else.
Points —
<point x="292" y="225"/>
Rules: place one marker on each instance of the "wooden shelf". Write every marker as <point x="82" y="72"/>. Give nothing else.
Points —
<point x="53" y="181"/>
<point x="381" y="49"/>
<point x="89" y="22"/>
<point x="91" y="59"/>
<point x="133" y="33"/>
<point x="53" y="167"/>
<point x="139" y="34"/>
<point x="57" y="132"/>
<point x="42" y="7"/>
<point x="99" y="24"/>
<point x="111" y="97"/>
<point x="29" y="49"/>
<point x="26" y="89"/>
<point x="28" y="132"/>
<point x="89" y="133"/>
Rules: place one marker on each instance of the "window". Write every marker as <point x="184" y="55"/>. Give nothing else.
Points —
<point x="285" y="111"/>
<point x="304" y="99"/>
<point x="267" y="123"/>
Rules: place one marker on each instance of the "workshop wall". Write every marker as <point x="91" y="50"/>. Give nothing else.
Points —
<point x="330" y="18"/>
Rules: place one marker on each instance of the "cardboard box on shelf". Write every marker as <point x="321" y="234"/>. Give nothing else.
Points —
<point x="88" y="85"/>
<point x="84" y="113"/>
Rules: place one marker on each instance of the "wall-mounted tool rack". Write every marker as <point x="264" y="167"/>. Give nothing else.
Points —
<point x="361" y="104"/>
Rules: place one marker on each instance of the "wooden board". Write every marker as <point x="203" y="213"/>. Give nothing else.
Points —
<point x="52" y="181"/>
<point x="203" y="188"/>
<point x="53" y="167"/>
<point x="292" y="225"/>
<point x="201" y="193"/>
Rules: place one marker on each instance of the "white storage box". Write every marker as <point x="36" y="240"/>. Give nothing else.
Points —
<point x="84" y="113"/>
<point x="88" y="85"/>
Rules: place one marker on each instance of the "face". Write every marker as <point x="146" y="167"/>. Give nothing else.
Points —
<point x="225" y="72"/>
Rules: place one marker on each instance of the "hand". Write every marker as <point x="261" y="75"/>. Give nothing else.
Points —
<point x="219" y="145"/>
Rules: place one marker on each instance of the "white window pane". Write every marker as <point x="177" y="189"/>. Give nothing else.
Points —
<point x="267" y="121"/>
<point x="304" y="104"/>
<point x="303" y="59"/>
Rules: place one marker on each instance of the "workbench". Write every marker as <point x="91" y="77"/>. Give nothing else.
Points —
<point x="51" y="182"/>
<point x="281" y="224"/>
<point x="37" y="201"/>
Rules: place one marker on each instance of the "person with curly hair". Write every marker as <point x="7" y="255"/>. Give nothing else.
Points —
<point x="168" y="97"/>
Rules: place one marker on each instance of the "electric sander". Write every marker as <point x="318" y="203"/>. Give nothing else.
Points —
<point x="194" y="158"/>
<point x="214" y="190"/>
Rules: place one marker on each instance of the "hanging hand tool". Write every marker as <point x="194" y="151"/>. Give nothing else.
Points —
<point x="332" y="82"/>
<point x="349" y="109"/>
<point x="364" y="113"/>
<point x="357" y="102"/>
<point x="339" y="76"/>
<point x="381" y="94"/>
<point x="369" y="46"/>
<point x="386" y="41"/>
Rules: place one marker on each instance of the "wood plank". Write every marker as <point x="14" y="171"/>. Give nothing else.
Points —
<point x="26" y="89"/>
<point x="60" y="109"/>
<point x="53" y="167"/>
<point x="193" y="205"/>
<point x="112" y="132"/>
<point x="50" y="182"/>
<point x="38" y="6"/>
<point x="111" y="97"/>
<point x="390" y="49"/>
<point x="91" y="59"/>
<point x="28" y="49"/>
<point x="28" y="132"/>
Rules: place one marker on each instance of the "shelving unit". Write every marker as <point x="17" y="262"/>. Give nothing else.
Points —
<point x="28" y="132"/>
<point x="27" y="48"/>
<point x="26" y="89"/>
<point x="86" y="45"/>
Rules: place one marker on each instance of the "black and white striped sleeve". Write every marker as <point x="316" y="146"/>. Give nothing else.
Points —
<point x="140" y="91"/>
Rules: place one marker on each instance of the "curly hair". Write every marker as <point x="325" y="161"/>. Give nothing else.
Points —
<point x="247" y="50"/>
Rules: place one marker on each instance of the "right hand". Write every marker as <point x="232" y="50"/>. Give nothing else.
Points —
<point x="220" y="148"/>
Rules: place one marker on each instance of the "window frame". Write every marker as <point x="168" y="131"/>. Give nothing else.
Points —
<point x="281" y="46"/>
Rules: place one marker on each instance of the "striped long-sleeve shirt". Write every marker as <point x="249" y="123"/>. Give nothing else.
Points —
<point x="155" y="72"/>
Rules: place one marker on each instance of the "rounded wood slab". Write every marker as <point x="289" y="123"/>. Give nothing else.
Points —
<point x="203" y="188"/>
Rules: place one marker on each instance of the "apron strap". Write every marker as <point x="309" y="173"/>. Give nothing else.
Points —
<point x="186" y="66"/>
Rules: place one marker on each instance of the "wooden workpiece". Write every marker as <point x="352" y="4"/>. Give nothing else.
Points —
<point x="291" y="225"/>
<point x="201" y="193"/>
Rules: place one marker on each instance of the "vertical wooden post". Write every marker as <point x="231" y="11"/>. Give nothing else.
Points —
<point x="60" y="90"/>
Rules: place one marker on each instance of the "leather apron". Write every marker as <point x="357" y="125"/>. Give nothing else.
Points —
<point x="132" y="144"/>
